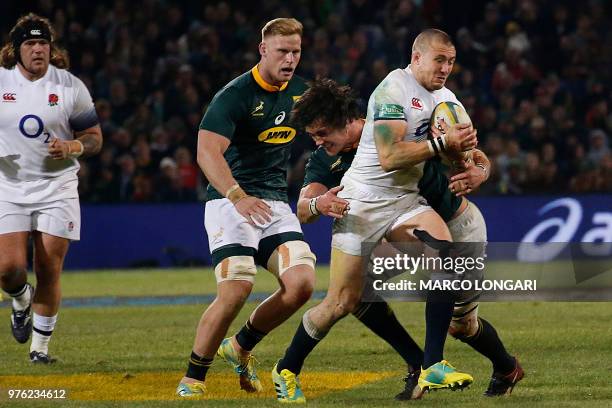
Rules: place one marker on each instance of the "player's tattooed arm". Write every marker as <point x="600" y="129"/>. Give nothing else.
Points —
<point x="395" y="153"/>
<point x="91" y="139"/>
<point x="86" y="143"/>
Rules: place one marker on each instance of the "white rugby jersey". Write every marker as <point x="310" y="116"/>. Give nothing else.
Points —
<point x="31" y="114"/>
<point x="405" y="99"/>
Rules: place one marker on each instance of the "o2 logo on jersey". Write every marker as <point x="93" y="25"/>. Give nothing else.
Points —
<point x="420" y="133"/>
<point x="31" y="126"/>
<point x="599" y="238"/>
<point x="279" y="118"/>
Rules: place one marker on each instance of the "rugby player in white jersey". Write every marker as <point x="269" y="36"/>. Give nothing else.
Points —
<point x="381" y="188"/>
<point x="329" y="113"/>
<point x="47" y="121"/>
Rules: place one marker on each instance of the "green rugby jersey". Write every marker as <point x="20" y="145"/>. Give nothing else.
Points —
<point x="254" y="116"/>
<point x="433" y="186"/>
<point x="327" y="170"/>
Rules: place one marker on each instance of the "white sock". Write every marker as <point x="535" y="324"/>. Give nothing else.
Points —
<point x="41" y="332"/>
<point x="21" y="299"/>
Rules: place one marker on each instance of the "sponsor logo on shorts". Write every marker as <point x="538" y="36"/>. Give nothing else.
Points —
<point x="277" y="135"/>
<point x="71" y="226"/>
<point x="217" y="236"/>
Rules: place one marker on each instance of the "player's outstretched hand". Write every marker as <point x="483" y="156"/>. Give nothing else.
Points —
<point x="331" y="205"/>
<point x="255" y="210"/>
<point x="460" y="137"/>
<point x="467" y="181"/>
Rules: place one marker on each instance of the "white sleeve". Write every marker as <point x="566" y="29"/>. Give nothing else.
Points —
<point x="389" y="100"/>
<point x="83" y="115"/>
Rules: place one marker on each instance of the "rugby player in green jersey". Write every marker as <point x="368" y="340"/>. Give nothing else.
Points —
<point x="330" y="114"/>
<point x="243" y="149"/>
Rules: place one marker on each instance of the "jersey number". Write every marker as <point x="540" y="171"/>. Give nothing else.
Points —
<point x="39" y="129"/>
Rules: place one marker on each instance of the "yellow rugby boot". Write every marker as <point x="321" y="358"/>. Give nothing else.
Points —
<point x="443" y="375"/>
<point x="244" y="368"/>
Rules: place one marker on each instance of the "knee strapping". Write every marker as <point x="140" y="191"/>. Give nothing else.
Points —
<point x="236" y="268"/>
<point x="290" y="254"/>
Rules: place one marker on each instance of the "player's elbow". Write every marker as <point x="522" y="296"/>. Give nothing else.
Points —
<point x="387" y="163"/>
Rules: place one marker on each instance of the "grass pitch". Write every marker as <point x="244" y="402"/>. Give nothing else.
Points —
<point x="134" y="356"/>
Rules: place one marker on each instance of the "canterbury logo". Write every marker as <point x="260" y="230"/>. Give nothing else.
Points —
<point x="416" y="104"/>
<point x="9" y="97"/>
<point x="35" y="32"/>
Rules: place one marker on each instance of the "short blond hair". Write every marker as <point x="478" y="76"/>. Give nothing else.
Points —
<point x="427" y="37"/>
<point x="282" y="26"/>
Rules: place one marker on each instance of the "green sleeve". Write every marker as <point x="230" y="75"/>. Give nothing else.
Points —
<point x="318" y="170"/>
<point x="224" y="112"/>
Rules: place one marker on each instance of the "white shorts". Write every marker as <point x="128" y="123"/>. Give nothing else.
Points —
<point x="61" y="218"/>
<point x="371" y="217"/>
<point x="229" y="233"/>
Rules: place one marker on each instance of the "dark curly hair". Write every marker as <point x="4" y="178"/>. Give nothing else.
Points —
<point x="333" y="104"/>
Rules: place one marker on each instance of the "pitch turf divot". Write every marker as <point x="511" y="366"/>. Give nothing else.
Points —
<point x="161" y="385"/>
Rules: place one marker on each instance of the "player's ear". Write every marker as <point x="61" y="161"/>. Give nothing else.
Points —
<point x="263" y="49"/>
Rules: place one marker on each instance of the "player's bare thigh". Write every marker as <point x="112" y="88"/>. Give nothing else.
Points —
<point x="49" y="252"/>
<point x="428" y="221"/>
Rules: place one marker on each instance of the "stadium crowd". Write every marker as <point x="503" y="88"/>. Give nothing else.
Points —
<point x="533" y="74"/>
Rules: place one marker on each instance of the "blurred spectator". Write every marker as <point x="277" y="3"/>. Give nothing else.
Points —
<point x="169" y="186"/>
<point x="188" y="172"/>
<point x="599" y="148"/>
<point x="534" y="77"/>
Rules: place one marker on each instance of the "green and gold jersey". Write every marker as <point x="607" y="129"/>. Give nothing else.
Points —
<point x="254" y="116"/>
<point x="433" y="186"/>
<point x="327" y="170"/>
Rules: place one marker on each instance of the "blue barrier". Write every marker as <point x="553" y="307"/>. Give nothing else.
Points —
<point x="119" y="236"/>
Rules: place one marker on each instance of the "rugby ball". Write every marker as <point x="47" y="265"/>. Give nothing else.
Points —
<point x="451" y="113"/>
